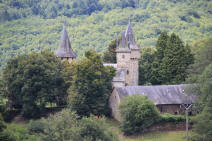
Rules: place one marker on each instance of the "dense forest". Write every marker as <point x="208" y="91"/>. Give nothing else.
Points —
<point x="47" y="99"/>
<point x="33" y="25"/>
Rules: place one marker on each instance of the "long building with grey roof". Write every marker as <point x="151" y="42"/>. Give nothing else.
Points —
<point x="167" y="98"/>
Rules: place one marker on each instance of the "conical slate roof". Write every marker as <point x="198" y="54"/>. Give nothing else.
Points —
<point x="123" y="47"/>
<point x="64" y="50"/>
<point x="129" y="34"/>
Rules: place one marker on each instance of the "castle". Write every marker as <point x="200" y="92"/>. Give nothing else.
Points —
<point x="127" y="55"/>
<point x="167" y="98"/>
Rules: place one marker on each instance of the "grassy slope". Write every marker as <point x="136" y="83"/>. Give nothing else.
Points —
<point x="156" y="136"/>
<point x="19" y="130"/>
<point x="160" y="136"/>
<point x="97" y="30"/>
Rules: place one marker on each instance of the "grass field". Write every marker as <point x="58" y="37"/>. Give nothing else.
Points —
<point x="156" y="136"/>
<point x="20" y="127"/>
<point x="159" y="136"/>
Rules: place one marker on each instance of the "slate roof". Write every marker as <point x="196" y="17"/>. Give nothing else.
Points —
<point x="123" y="47"/>
<point x="129" y="34"/>
<point x="163" y="94"/>
<point x="127" y="40"/>
<point x="64" y="50"/>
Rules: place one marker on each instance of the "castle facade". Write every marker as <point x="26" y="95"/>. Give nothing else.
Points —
<point x="167" y="98"/>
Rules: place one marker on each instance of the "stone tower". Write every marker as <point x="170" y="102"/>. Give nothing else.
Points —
<point x="64" y="51"/>
<point x="128" y="54"/>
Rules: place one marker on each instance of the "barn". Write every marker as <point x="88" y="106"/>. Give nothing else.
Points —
<point x="167" y="98"/>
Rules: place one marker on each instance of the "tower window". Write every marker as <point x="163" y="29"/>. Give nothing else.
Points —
<point x="123" y="56"/>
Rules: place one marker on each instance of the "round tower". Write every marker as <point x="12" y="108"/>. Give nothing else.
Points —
<point x="64" y="51"/>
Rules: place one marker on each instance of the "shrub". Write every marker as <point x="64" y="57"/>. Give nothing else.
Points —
<point x="67" y="126"/>
<point x="137" y="113"/>
<point x="61" y="126"/>
<point x="14" y="132"/>
<point x="36" y="127"/>
<point x="203" y="124"/>
<point x="172" y="118"/>
<point x="93" y="129"/>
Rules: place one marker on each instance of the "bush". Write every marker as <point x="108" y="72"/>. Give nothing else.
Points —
<point x="14" y="132"/>
<point x="172" y="118"/>
<point x="63" y="125"/>
<point x="36" y="127"/>
<point x="93" y="129"/>
<point x="67" y="126"/>
<point x="137" y="113"/>
<point x="203" y="124"/>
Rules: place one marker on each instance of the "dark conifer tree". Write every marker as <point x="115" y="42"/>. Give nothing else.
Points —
<point x="171" y="60"/>
<point x="109" y="55"/>
<point x="161" y="46"/>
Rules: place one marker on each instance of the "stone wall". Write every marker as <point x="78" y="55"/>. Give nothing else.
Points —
<point x="118" y="84"/>
<point x="123" y="59"/>
<point x="114" y="102"/>
<point x="133" y="71"/>
<point x="170" y="126"/>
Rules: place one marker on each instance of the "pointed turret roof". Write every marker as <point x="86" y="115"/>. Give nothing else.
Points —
<point x="129" y="34"/>
<point x="123" y="46"/>
<point x="64" y="50"/>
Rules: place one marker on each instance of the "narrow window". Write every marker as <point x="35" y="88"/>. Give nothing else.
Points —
<point x="123" y="56"/>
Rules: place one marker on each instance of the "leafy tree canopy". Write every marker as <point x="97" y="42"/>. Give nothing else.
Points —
<point x="91" y="86"/>
<point x="31" y="32"/>
<point x="67" y="126"/>
<point x="109" y="55"/>
<point x="202" y="50"/>
<point x="203" y="121"/>
<point x="32" y="81"/>
<point x="137" y="113"/>
<point x="145" y="65"/>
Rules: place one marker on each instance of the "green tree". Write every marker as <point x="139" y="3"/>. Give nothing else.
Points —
<point x="171" y="61"/>
<point x="66" y="126"/>
<point x="93" y="129"/>
<point x="205" y="86"/>
<point x="32" y="81"/>
<point x="137" y="113"/>
<point x="202" y="50"/>
<point x="145" y="65"/>
<point x="92" y="86"/>
<point x="203" y="124"/>
<point x="3" y="136"/>
<point x="176" y="60"/>
<point x="161" y="46"/>
<point x="203" y="121"/>
<point x="62" y="126"/>
<point x="109" y="55"/>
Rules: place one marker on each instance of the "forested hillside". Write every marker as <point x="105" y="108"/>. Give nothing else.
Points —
<point x="33" y="25"/>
